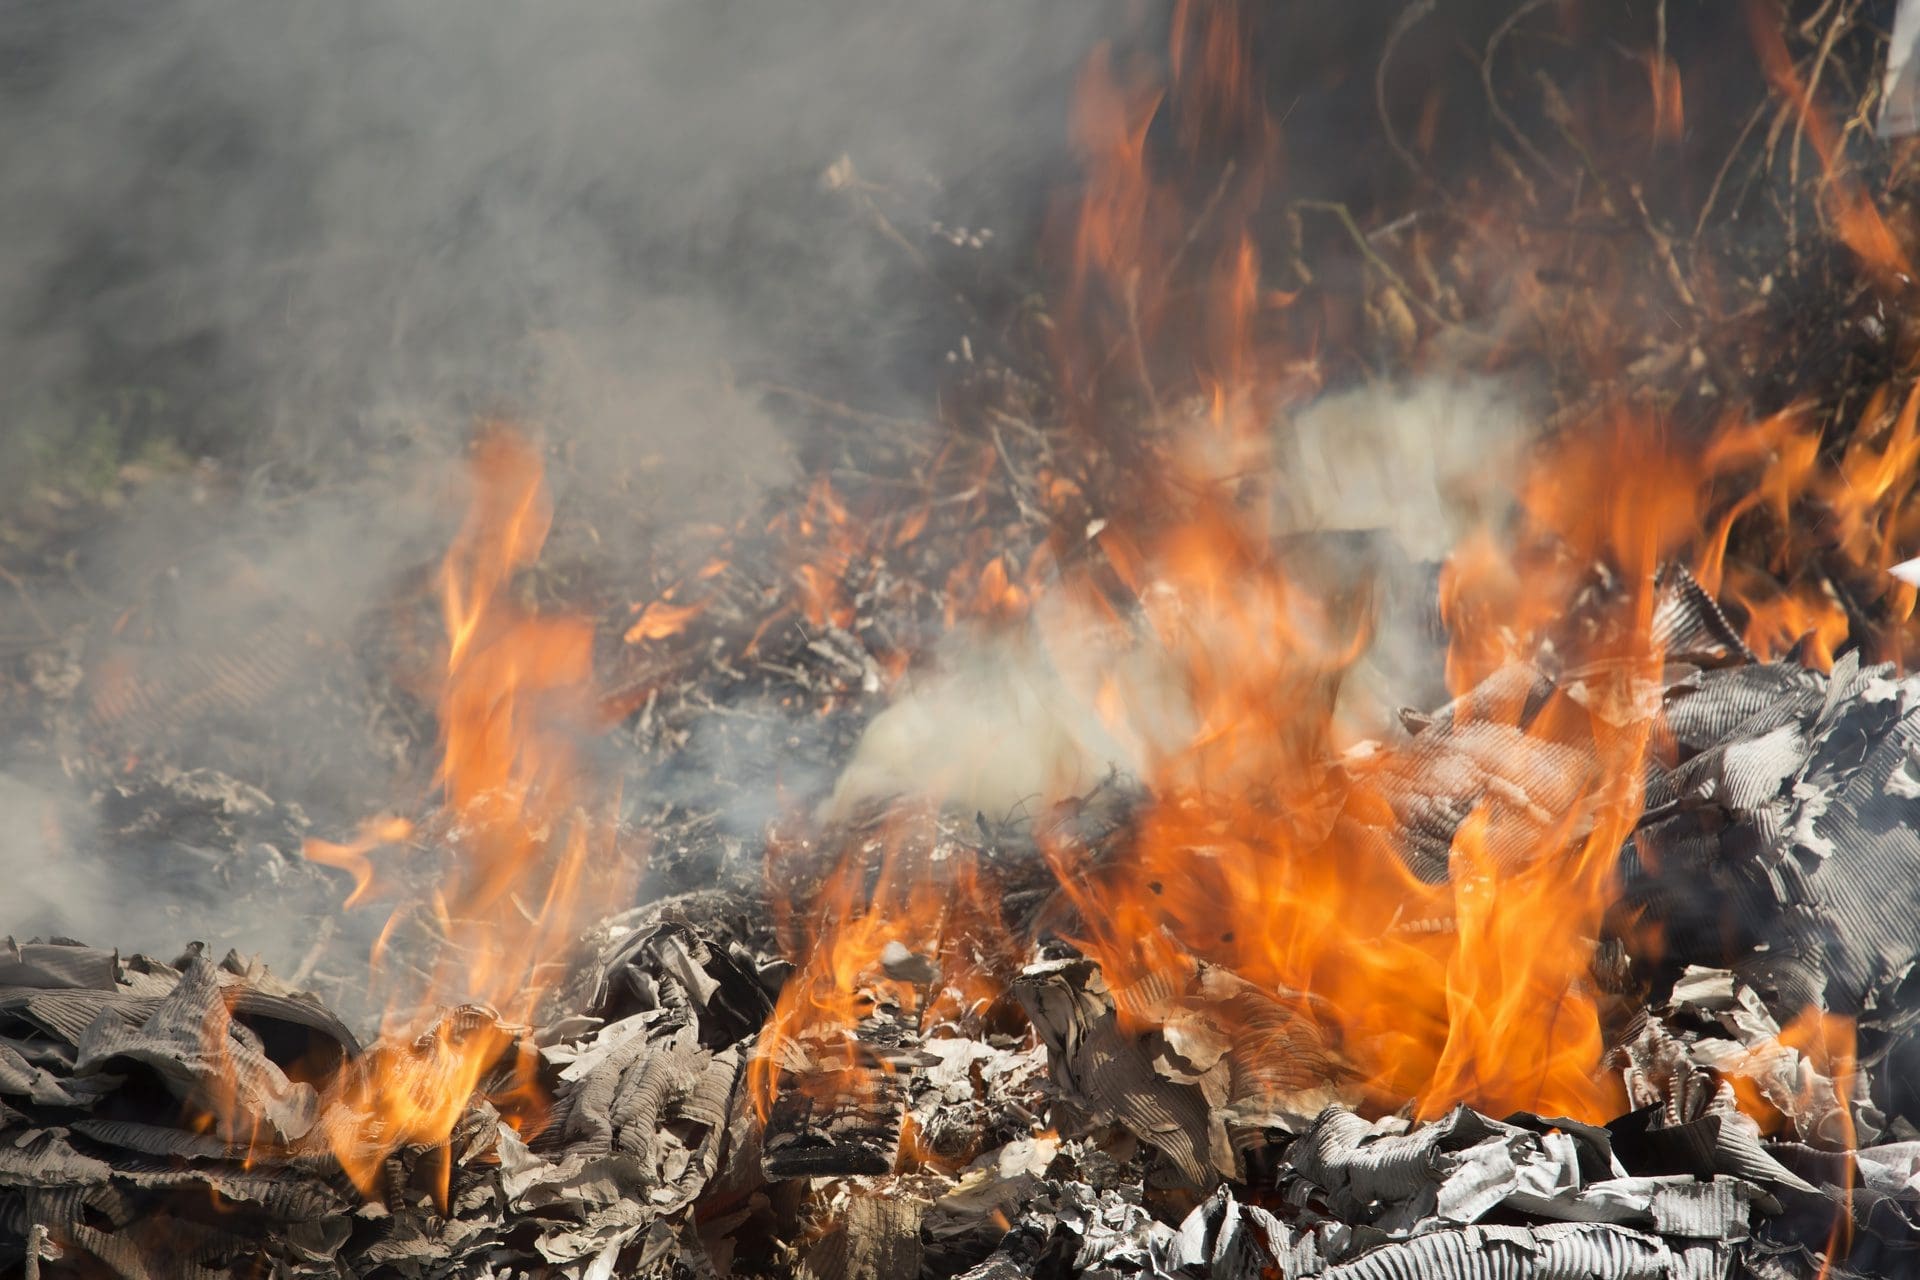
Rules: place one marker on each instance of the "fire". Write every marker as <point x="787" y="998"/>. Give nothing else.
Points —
<point x="1851" y="207"/>
<point x="533" y="860"/>
<point x="1259" y="852"/>
<point x="1668" y="95"/>
<point x="1821" y="1055"/>
<point x="917" y="941"/>
<point x="354" y="857"/>
<point x="1255" y="852"/>
<point x="662" y="619"/>
<point x="1808" y="617"/>
<point x="1832" y="522"/>
<point x="822" y="581"/>
<point x="991" y="592"/>
<point x="1262" y="848"/>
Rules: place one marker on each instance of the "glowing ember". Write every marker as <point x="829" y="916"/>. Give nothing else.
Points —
<point x="662" y="619"/>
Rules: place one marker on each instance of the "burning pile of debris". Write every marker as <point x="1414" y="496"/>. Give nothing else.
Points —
<point x="1224" y="854"/>
<point x="197" y="1118"/>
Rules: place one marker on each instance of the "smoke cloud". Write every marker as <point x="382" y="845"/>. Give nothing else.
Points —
<point x="304" y="217"/>
<point x="310" y="245"/>
<point x="1374" y="485"/>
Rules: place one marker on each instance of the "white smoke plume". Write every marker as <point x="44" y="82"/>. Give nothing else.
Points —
<point x="1003" y="723"/>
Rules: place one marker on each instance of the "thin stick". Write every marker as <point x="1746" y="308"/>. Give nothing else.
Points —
<point x="1380" y="264"/>
<point x="1132" y="294"/>
<point x="1663" y="250"/>
<point x="312" y="958"/>
<point x="865" y="417"/>
<point x="1660" y="38"/>
<point x="1813" y="19"/>
<point x="1200" y="220"/>
<point x="1840" y="20"/>
<point x="1408" y="19"/>
<point x="1506" y="121"/>
<point x="1726" y="167"/>
<point x="1018" y="485"/>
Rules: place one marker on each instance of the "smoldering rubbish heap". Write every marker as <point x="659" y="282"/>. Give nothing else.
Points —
<point x="1370" y="735"/>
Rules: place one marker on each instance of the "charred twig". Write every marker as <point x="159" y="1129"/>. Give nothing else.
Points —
<point x="842" y="177"/>
<point x="1841" y="20"/>
<point x="1507" y="122"/>
<point x="1200" y="220"/>
<point x="308" y="962"/>
<point x="864" y="417"/>
<point x="1726" y="167"/>
<point x="1561" y="114"/>
<point x="1663" y="251"/>
<point x="1409" y="18"/>
<point x="1130" y="343"/>
<point x="1021" y="496"/>
<point x="1812" y="21"/>
<point x="1558" y="111"/>
<point x="1345" y="217"/>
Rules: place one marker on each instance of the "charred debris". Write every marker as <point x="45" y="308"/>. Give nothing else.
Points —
<point x="172" y="1117"/>
<point x="1025" y="1109"/>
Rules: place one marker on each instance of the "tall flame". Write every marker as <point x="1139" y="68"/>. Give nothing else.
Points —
<point x="1256" y="852"/>
<point x="533" y="857"/>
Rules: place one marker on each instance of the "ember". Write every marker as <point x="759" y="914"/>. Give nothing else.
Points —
<point x="1367" y="736"/>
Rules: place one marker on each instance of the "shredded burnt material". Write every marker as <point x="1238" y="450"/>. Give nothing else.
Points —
<point x="1796" y="801"/>
<point x="1199" y="1127"/>
<point x="1204" y="1126"/>
<point x="208" y="1095"/>
<point x="992" y="1103"/>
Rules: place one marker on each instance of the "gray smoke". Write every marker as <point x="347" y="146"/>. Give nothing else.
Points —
<point x="311" y="243"/>
<point x="1014" y="720"/>
<point x="313" y="219"/>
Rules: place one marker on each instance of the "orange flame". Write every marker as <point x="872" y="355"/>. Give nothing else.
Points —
<point x="830" y="543"/>
<point x="1855" y="219"/>
<point x="1668" y="98"/>
<point x="1821" y="1057"/>
<point x="352" y="857"/>
<point x="515" y="703"/>
<point x="662" y="619"/>
<point x="941" y="917"/>
<point x="1257" y="851"/>
<point x="1256" y="855"/>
